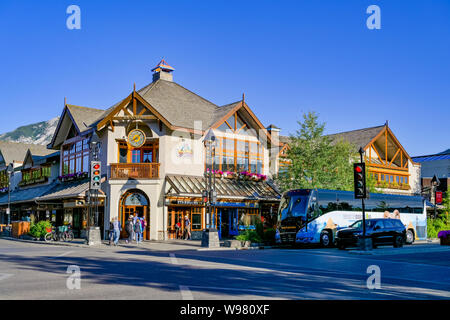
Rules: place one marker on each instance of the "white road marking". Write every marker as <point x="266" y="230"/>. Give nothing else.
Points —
<point x="64" y="254"/>
<point x="4" y="276"/>
<point x="173" y="259"/>
<point x="186" y="294"/>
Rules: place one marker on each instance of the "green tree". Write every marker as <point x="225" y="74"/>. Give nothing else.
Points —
<point x="316" y="160"/>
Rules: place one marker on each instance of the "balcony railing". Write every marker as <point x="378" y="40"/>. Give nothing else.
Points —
<point x="127" y="171"/>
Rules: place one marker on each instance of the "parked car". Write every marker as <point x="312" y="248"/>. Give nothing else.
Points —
<point x="381" y="231"/>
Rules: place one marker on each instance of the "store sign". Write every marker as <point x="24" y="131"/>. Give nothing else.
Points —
<point x="237" y="204"/>
<point x="438" y="197"/>
<point x="184" y="202"/>
<point x="184" y="150"/>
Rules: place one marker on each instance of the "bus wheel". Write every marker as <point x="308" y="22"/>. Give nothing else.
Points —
<point x="325" y="239"/>
<point x="409" y="236"/>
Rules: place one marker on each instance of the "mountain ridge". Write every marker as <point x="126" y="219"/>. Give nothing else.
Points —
<point x="35" y="133"/>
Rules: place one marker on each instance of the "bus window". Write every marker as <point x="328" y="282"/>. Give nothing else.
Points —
<point x="293" y="206"/>
<point x="327" y="201"/>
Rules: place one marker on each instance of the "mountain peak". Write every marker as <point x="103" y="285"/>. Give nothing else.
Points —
<point x="36" y="133"/>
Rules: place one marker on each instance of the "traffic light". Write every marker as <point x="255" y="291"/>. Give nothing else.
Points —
<point x="96" y="175"/>
<point x="205" y="196"/>
<point x="359" y="170"/>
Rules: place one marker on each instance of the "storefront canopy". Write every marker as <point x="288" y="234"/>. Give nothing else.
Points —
<point x="26" y="194"/>
<point x="239" y="189"/>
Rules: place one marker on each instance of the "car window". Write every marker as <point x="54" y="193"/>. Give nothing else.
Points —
<point x="379" y="224"/>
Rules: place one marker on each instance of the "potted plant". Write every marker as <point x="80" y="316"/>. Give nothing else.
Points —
<point x="218" y="173"/>
<point x="444" y="237"/>
<point x="229" y="174"/>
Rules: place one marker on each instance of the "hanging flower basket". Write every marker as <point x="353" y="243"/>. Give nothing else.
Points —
<point x="444" y="237"/>
<point x="229" y="174"/>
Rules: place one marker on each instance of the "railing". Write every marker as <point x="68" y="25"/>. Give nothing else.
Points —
<point x="127" y="171"/>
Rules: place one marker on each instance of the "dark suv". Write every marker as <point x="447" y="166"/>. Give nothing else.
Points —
<point x="382" y="232"/>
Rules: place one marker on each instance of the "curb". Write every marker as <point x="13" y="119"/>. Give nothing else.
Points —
<point x="53" y="243"/>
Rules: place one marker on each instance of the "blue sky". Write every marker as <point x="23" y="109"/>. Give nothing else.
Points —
<point x="289" y="57"/>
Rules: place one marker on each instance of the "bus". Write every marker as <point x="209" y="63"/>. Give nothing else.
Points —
<point x="307" y="216"/>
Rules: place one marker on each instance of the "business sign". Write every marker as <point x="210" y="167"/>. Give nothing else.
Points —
<point x="438" y="197"/>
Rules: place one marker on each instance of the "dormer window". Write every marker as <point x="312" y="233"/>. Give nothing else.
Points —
<point x="75" y="157"/>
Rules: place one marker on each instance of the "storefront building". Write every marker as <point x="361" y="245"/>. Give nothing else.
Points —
<point x="155" y="135"/>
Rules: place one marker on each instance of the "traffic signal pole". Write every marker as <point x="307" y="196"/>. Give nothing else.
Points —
<point x="361" y="151"/>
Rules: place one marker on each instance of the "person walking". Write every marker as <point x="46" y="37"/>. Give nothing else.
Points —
<point x="117" y="228"/>
<point x="111" y="231"/>
<point x="143" y="225"/>
<point x="187" y="228"/>
<point x="129" y="229"/>
<point x="138" y="230"/>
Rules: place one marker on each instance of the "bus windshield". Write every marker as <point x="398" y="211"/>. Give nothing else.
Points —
<point x="293" y="206"/>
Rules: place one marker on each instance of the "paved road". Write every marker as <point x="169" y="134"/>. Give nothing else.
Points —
<point x="157" y="271"/>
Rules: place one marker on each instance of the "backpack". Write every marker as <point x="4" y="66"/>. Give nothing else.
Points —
<point x="137" y="228"/>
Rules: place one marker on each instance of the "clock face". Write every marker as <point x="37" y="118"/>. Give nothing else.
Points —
<point x="136" y="138"/>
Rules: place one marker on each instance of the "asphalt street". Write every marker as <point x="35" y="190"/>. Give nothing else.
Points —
<point x="157" y="271"/>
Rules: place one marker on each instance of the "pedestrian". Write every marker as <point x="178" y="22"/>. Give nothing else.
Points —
<point x="178" y="229"/>
<point x="111" y="231"/>
<point x="117" y="228"/>
<point x="138" y="230"/>
<point x="129" y="229"/>
<point x="143" y="225"/>
<point x="187" y="228"/>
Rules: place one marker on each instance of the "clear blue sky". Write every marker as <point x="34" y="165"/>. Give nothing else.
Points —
<point x="289" y="57"/>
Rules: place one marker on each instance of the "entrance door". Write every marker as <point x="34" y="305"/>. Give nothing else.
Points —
<point x="136" y="211"/>
<point x="233" y="222"/>
<point x="135" y="203"/>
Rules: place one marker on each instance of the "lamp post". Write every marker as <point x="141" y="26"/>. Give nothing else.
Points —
<point x="9" y="171"/>
<point x="210" y="237"/>
<point x="435" y="182"/>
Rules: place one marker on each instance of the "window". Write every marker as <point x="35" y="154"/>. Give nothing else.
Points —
<point x="238" y="155"/>
<point x="75" y="157"/>
<point x="149" y="153"/>
<point x="196" y="218"/>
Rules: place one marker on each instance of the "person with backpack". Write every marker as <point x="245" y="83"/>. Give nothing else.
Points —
<point x="138" y="231"/>
<point x="129" y="229"/>
<point x="111" y="231"/>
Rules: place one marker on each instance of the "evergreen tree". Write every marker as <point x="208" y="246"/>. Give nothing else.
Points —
<point x="318" y="162"/>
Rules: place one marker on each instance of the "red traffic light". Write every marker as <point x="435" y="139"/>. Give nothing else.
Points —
<point x="358" y="169"/>
<point x="97" y="166"/>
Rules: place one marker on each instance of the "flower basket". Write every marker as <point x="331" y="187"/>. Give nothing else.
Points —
<point x="444" y="237"/>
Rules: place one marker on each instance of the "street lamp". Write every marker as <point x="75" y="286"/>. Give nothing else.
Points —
<point x="9" y="171"/>
<point x="210" y="237"/>
<point x="435" y="182"/>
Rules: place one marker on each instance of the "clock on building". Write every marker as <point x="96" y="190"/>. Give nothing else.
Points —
<point x="136" y="138"/>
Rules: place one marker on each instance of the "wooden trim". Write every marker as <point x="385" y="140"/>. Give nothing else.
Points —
<point x="395" y="156"/>
<point x="388" y="171"/>
<point x="376" y="137"/>
<point x="376" y="151"/>
<point x="110" y="116"/>
<point x="386" y="167"/>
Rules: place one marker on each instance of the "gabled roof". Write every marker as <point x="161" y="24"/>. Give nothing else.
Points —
<point x="359" y="138"/>
<point x="84" y="117"/>
<point x="14" y="151"/>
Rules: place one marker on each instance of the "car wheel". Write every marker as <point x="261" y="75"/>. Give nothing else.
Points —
<point x="326" y="239"/>
<point x="409" y="237"/>
<point x="398" y="242"/>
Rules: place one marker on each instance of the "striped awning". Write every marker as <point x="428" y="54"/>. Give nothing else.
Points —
<point x="239" y="189"/>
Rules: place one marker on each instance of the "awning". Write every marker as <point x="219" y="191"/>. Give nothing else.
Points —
<point x="26" y="194"/>
<point x="68" y="190"/>
<point x="239" y="189"/>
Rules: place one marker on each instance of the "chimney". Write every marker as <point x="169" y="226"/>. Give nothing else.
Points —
<point x="274" y="132"/>
<point x="162" y="71"/>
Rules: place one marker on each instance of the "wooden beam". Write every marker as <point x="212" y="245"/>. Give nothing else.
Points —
<point x="376" y="151"/>
<point x="386" y="149"/>
<point x="119" y="107"/>
<point x="395" y="156"/>
<point x="111" y="124"/>
<point x="148" y="117"/>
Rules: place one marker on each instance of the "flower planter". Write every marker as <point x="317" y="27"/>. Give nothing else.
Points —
<point x="444" y="237"/>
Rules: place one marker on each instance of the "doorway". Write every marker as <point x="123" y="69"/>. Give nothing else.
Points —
<point x="135" y="203"/>
<point x="228" y="222"/>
